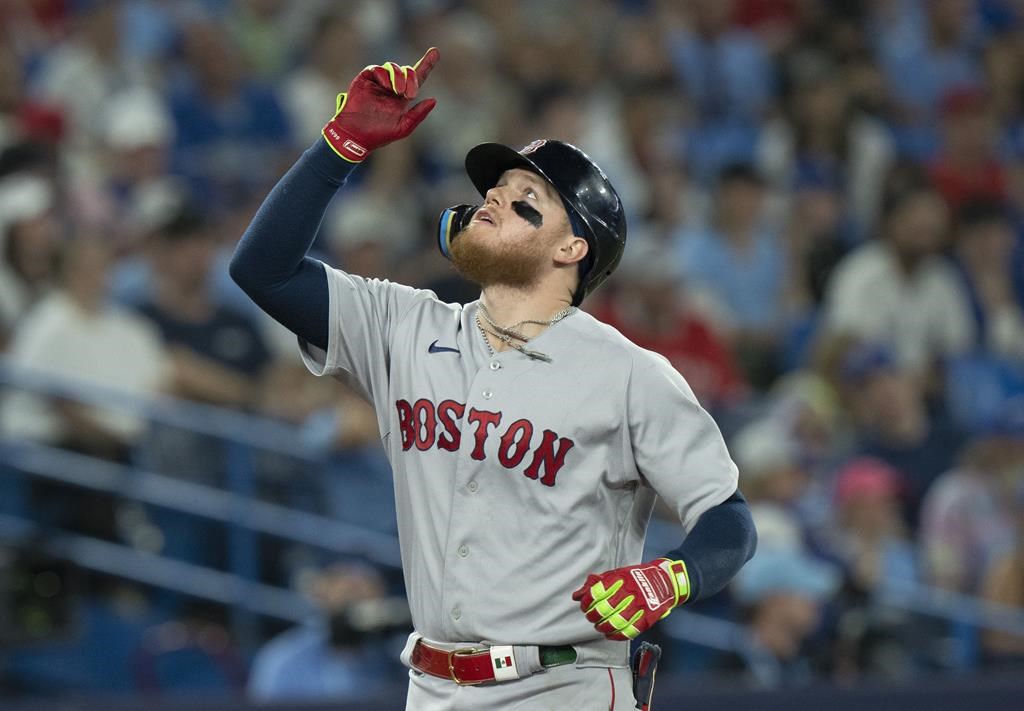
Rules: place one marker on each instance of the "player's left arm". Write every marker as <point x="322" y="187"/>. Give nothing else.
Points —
<point x="680" y="451"/>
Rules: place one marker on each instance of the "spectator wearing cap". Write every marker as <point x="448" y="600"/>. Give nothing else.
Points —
<point x="984" y="254"/>
<point x="892" y="422"/>
<point x="869" y="535"/>
<point x="769" y="468"/>
<point x="968" y="166"/>
<point x="969" y="517"/>
<point x="739" y="263"/>
<point x="132" y="190"/>
<point x="807" y="406"/>
<point x="29" y="246"/>
<point x="898" y="290"/>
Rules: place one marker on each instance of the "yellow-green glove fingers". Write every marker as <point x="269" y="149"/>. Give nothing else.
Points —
<point x="619" y="624"/>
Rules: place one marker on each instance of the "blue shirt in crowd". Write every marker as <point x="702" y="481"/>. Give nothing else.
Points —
<point x="750" y="285"/>
<point x="302" y="664"/>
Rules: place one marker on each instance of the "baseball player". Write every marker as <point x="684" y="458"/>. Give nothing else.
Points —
<point x="528" y="440"/>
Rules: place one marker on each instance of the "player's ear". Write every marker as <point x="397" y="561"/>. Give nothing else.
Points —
<point x="572" y="250"/>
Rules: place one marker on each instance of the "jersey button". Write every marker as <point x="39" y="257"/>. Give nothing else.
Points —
<point x="463" y="551"/>
<point x="487" y="394"/>
<point x="495" y="365"/>
<point x="456" y="613"/>
<point x="472" y="486"/>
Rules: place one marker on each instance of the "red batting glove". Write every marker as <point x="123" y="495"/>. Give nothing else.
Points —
<point x="375" y="109"/>
<point x="625" y="602"/>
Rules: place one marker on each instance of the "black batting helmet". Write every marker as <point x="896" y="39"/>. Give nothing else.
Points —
<point x="593" y="205"/>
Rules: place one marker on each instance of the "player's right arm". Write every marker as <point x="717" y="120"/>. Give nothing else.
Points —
<point x="270" y="262"/>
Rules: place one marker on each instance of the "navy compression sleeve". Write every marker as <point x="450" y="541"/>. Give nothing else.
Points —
<point x="270" y="262"/>
<point x="722" y="540"/>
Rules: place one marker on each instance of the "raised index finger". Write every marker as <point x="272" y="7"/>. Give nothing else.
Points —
<point x="426" y="64"/>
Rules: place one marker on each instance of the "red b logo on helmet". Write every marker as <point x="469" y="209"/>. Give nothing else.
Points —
<point x="534" y="146"/>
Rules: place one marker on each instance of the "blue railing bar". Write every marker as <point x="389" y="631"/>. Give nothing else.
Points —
<point x="707" y="631"/>
<point x="259" y="432"/>
<point x="150" y="569"/>
<point x="243" y="547"/>
<point x="724" y="635"/>
<point x="954" y="606"/>
<point x="200" y="500"/>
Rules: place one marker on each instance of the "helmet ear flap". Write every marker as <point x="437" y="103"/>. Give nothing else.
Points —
<point x="453" y="220"/>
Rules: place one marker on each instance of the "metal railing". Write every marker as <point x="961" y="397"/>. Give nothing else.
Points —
<point x="158" y="571"/>
<point x="200" y="500"/>
<point x="235" y="507"/>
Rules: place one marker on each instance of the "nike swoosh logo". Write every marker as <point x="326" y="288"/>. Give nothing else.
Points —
<point x="434" y="348"/>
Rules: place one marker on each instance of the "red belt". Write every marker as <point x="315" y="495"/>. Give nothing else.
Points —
<point x="463" y="666"/>
<point x="473" y="665"/>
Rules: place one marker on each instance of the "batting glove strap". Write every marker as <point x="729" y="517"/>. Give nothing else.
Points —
<point x="341" y="141"/>
<point x="680" y="579"/>
<point x="625" y="602"/>
<point x="375" y="110"/>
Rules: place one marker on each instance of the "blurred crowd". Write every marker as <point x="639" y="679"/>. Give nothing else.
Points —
<point x="826" y="237"/>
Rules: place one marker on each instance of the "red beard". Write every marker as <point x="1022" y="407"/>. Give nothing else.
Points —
<point x="483" y="260"/>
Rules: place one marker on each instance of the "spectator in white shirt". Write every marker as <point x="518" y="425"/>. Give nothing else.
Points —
<point x="898" y="290"/>
<point x="74" y="335"/>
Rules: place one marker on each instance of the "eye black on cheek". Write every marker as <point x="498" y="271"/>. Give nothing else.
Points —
<point x="528" y="213"/>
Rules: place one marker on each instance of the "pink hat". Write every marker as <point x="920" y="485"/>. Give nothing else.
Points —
<point x="867" y="477"/>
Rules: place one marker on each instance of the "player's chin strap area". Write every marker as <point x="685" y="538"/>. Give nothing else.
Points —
<point x="482" y="664"/>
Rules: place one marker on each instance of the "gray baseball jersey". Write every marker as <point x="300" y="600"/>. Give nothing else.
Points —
<point x="515" y="478"/>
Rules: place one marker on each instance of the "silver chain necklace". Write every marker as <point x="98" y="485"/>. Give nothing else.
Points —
<point x="509" y="335"/>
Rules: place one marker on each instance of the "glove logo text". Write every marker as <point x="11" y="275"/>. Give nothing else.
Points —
<point x="654" y="593"/>
<point x="354" y="148"/>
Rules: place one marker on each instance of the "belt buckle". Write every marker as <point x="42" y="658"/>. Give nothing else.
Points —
<point x="465" y="651"/>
